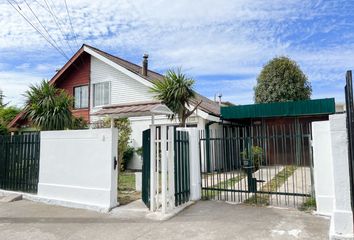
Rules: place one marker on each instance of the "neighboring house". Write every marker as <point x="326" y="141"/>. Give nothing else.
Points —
<point x="105" y="85"/>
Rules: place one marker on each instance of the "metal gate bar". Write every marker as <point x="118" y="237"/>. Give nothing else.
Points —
<point x="350" y="128"/>
<point x="267" y="163"/>
<point x="182" y="173"/>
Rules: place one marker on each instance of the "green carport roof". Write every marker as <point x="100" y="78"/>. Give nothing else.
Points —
<point x="280" y="109"/>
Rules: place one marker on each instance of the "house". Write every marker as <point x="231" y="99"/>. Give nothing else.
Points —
<point x="105" y="85"/>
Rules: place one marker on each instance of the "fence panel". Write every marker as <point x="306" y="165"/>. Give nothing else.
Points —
<point x="182" y="172"/>
<point x="266" y="164"/>
<point x="19" y="158"/>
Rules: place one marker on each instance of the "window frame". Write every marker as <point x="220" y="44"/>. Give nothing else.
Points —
<point x="93" y="94"/>
<point x="88" y="96"/>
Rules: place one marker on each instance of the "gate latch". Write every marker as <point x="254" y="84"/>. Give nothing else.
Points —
<point x="115" y="163"/>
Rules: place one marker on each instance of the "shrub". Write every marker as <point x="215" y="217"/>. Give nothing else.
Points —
<point x="257" y="154"/>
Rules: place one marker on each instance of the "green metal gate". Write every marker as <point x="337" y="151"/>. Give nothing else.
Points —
<point x="145" y="194"/>
<point x="266" y="164"/>
<point x="19" y="161"/>
<point x="182" y="172"/>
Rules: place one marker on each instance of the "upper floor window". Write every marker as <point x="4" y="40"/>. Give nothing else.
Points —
<point x="81" y="97"/>
<point x="101" y="94"/>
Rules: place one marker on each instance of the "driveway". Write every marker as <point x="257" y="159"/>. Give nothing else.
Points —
<point x="203" y="220"/>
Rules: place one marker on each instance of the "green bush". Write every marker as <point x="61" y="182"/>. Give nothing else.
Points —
<point x="257" y="154"/>
<point x="127" y="156"/>
<point x="139" y="151"/>
<point x="3" y="130"/>
<point x="124" y="132"/>
<point x="79" y="123"/>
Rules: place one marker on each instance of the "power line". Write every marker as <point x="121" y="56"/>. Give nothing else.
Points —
<point x="29" y="22"/>
<point x="71" y="24"/>
<point x="43" y="26"/>
<point x="56" y="22"/>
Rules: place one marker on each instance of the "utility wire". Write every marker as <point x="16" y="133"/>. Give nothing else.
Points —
<point x="71" y="24"/>
<point x="29" y="22"/>
<point x="72" y="30"/>
<point x="45" y="8"/>
<point x="56" y="22"/>
<point x="54" y="41"/>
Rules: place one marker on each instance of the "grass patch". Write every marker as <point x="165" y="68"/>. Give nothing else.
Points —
<point x="309" y="205"/>
<point x="126" y="181"/>
<point x="272" y="186"/>
<point x="126" y="188"/>
<point x="209" y="194"/>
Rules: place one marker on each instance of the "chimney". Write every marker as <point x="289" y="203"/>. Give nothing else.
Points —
<point x="145" y="65"/>
<point x="220" y="96"/>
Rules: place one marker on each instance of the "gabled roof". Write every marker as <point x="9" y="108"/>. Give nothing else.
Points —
<point x="206" y="105"/>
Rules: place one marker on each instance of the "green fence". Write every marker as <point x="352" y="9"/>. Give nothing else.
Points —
<point x="182" y="173"/>
<point x="19" y="161"/>
<point x="145" y="194"/>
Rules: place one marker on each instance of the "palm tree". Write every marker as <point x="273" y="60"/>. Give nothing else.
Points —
<point x="176" y="92"/>
<point x="48" y="107"/>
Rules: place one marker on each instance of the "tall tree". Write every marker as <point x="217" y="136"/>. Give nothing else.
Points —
<point x="7" y="114"/>
<point x="176" y="91"/>
<point x="281" y="79"/>
<point x="48" y="107"/>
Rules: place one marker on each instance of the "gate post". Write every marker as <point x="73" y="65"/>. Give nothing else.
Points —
<point x="163" y="168"/>
<point x="194" y="163"/>
<point x="195" y="178"/>
<point x="342" y="218"/>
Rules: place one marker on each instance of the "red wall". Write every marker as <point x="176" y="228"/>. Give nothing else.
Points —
<point x="77" y="75"/>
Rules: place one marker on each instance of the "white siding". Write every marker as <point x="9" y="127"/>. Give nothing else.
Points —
<point x="124" y="89"/>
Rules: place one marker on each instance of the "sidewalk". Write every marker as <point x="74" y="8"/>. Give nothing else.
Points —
<point x="203" y="220"/>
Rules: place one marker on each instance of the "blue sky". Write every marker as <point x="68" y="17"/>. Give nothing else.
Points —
<point x="222" y="44"/>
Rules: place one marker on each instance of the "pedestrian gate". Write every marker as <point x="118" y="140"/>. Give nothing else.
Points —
<point x="168" y="147"/>
<point x="19" y="161"/>
<point x="145" y="191"/>
<point x="267" y="164"/>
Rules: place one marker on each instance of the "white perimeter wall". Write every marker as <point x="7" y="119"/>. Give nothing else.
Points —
<point x="332" y="183"/>
<point x="76" y="168"/>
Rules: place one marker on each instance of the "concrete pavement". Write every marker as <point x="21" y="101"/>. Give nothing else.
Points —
<point x="203" y="220"/>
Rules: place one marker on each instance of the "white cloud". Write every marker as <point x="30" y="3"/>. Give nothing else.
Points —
<point x="14" y="85"/>
<point x="204" y="37"/>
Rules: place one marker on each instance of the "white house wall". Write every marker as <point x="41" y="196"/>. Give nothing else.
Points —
<point x="124" y="89"/>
